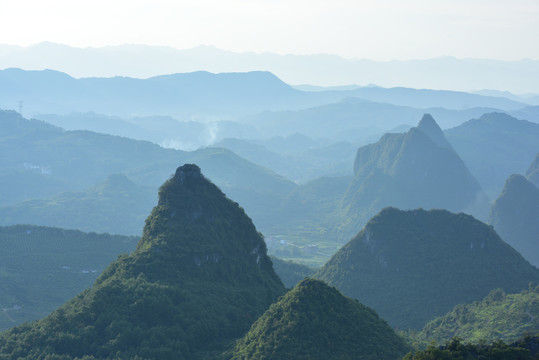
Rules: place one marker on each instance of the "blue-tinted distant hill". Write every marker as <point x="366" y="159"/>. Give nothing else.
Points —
<point x="81" y="159"/>
<point x="354" y="119"/>
<point x="494" y="146"/>
<point x="202" y="95"/>
<point x="190" y="95"/>
<point x="533" y="171"/>
<point x="515" y="216"/>
<point x="417" y="169"/>
<point x="145" y="61"/>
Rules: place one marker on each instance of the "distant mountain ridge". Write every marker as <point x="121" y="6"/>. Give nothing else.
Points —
<point x="515" y="216"/>
<point x="494" y="146"/>
<point x="323" y="69"/>
<point x="76" y="160"/>
<point x="202" y="96"/>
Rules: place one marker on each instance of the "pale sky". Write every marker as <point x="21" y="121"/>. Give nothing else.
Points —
<point x="378" y="30"/>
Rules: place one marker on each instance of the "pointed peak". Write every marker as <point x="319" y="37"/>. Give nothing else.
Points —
<point x="427" y="121"/>
<point x="429" y="127"/>
<point x="427" y="124"/>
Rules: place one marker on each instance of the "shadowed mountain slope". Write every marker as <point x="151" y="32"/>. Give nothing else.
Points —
<point x="515" y="216"/>
<point x="411" y="266"/>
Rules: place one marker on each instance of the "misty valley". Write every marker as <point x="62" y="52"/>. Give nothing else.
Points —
<point x="234" y="216"/>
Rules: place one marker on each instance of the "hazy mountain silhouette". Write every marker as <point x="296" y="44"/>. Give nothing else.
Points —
<point x="81" y="159"/>
<point x="533" y="171"/>
<point x="494" y="146"/>
<point x="515" y="216"/>
<point x="146" y="61"/>
<point x="407" y="171"/>
<point x="202" y="95"/>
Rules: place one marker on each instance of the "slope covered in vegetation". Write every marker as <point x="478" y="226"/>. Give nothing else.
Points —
<point x="314" y="321"/>
<point x="411" y="266"/>
<point x="197" y="280"/>
<point x="499" y="316"/>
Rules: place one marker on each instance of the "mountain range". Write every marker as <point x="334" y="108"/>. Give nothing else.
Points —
<point x="324" y="69"/>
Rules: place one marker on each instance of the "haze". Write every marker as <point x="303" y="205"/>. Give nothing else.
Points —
<point x="382" y="30"/>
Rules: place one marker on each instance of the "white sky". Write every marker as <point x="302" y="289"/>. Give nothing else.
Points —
<point x="378" y="30"/>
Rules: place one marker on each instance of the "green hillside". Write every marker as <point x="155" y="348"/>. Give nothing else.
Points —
<point x="314" y="321"/>
<point x="499" y="316"/>
<point x="197" y="280"/>
<point x="42" y="267"/>
<point x="411" y="266"/>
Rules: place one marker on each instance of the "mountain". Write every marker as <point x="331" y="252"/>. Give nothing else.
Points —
<point x="415" y="169"/>
<point x="115" y="206"/>
<point x="499" y="316"/>
<point x="43" y="267"/>
<point x="197" y="280"/>
<point x="145" y="61"/>
<point x="355" y="119"/>
<point x="204" y="96"/>
<point x="515" y="216"/>
<point x="494" y="146"/>
<point x="411" y="266"/>
<point x="81" y="159"/>
<point x="198" y="95"/>
<point x="533" y="171"/>
<point x="315" y="321"/>
<point x="294" y="160"/>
